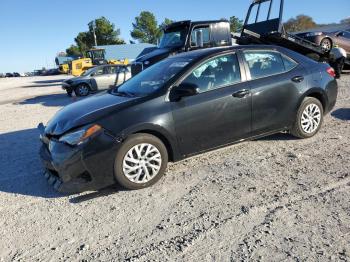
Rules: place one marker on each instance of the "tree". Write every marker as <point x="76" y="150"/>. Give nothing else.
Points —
<point x="106" y="34"/>
<point x="235" y="24"/>
<point x="145" y="28"/>
<point x="300" y="23"/>
<point x="166" y="22"/>
<point x="73" y="50"/>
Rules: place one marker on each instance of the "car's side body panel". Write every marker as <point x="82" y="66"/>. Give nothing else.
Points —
<point x="215" y="117"/>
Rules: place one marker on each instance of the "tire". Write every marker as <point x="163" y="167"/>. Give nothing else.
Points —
<point x="132" y="174"/>
<point x="311" y="122"/>
<point x="326" y="44"/>
<point x="82" y="90"/>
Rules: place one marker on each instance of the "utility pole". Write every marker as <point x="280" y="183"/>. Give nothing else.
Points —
<point x="93" y="25"/>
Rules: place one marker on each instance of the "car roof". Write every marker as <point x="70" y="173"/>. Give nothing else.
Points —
<point x="202" y="53"/>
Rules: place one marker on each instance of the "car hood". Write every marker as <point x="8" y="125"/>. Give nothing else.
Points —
<point x="75" y="79"/>
<point x="85" y="112"/>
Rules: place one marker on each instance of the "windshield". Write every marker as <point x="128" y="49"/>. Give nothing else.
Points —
<point x="88" y="72"/>
<point x="153" y="78"/>
<point x="174" y="37"/>
<point x="96" y="54"/>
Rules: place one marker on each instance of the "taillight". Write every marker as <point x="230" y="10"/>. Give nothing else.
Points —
<point x="331" y="72"/>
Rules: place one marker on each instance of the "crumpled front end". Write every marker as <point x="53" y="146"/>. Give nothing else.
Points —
<point x="74" y="169"/>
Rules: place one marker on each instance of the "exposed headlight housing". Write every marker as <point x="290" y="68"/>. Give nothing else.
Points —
<point x="80" y="136"/>
<point x="313" y="34"/>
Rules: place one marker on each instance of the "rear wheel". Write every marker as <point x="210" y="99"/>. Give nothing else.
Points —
<point x="326" y="44"/>
<point x="309" y="118"/>
<point x="82" y="90"/>
<point x="140" y="162"/>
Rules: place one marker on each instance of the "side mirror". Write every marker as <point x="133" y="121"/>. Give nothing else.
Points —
<point x="183" y="90"/>
<point x="199" y="38"/>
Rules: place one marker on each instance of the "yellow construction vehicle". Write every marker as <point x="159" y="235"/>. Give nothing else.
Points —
<point x="79" y="66"/>
<point x="63" y="68"/>
<point x="118" y="62"/>
<point x="94" y="57"/>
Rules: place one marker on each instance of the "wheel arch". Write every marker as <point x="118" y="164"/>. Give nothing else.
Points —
<point x="162" y="138"/>
<point x="329" y="38"/>
<point x="317" y="93"/>
<point x="161" y="133"/>
<point x="82" y="83"/>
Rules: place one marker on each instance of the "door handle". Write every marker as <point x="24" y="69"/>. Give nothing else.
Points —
<point x="298" y="79"/>
<point x="241" y="93"/>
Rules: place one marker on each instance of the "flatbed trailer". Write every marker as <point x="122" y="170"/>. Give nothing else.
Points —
<point x="271" y="31"/>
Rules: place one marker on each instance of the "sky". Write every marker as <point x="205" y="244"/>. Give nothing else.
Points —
<point x="33" y="32"/>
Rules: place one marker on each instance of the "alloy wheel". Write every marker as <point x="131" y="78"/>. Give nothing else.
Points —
<point x="142" y="163"/>
<point x="326" y="45"/>
<point x="311" y="118"/>
<point x="83" y="90"/>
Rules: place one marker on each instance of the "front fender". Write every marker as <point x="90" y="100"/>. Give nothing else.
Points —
<point x="166" y="136"/>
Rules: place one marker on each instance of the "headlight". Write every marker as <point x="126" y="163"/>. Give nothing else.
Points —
<point x="146" y="62"/>
<point x="80" y="136"/>
<point x="313" y="34"/>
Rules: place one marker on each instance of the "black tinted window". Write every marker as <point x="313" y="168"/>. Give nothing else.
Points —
<point x="216" y="72"/>
<point x="264" y="63"/>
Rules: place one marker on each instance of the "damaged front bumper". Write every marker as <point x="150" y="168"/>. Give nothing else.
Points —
<point x="75" y="169"/>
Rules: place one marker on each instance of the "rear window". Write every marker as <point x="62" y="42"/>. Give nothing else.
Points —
<point x="264" y="63"/>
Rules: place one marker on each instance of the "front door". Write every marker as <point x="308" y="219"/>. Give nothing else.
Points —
<point x="220" y="113"/>
<point x="105" y="78"/>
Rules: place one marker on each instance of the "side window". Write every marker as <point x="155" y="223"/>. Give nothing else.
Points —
<point x="289" y="64"/>
<point x="113" y="69"/>
<point x="99" y="71"/>
<point x="108" y="70"/>
<point x="264" y="63"/>
<point x="205" y="33"/>
<point x="346" y="35"/>
<point x="215" y="73"/>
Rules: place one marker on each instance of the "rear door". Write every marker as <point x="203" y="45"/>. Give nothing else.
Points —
<point x="220" y="113"/>
<point x="275" y="81"/>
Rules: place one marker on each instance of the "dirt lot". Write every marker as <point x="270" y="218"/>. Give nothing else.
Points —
<point x="274" y="199"/>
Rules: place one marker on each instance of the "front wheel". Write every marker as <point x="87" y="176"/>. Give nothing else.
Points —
<point x="309" y="118"/>
<point x="82" y="90"/>
<point x="140" y="162"/>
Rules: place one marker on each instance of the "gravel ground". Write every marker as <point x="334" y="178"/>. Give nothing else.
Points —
<point x="273" y="199"/>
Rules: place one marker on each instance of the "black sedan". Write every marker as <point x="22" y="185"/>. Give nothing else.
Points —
<point x="185" y="105"/>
